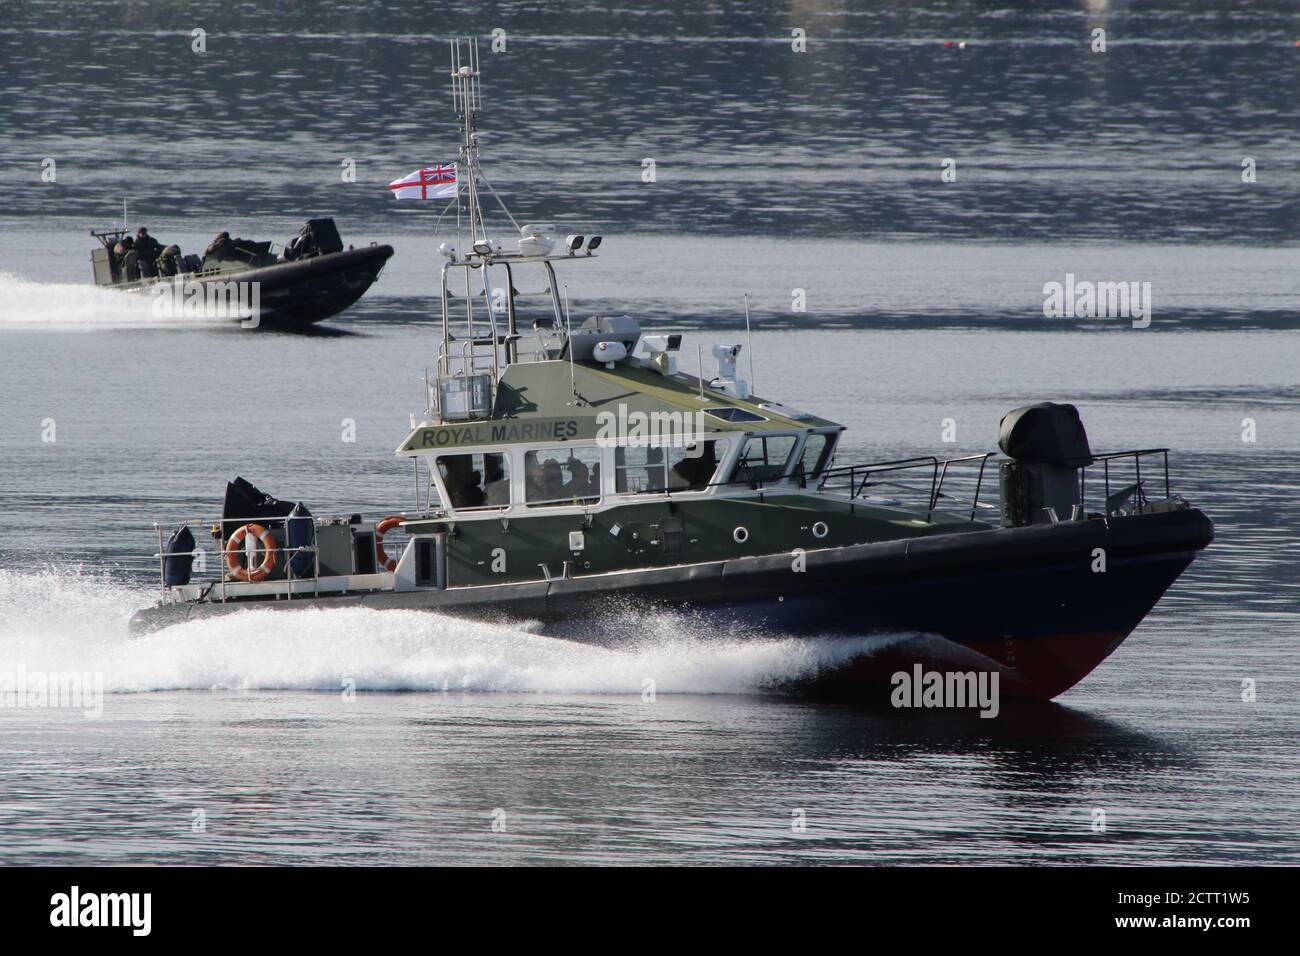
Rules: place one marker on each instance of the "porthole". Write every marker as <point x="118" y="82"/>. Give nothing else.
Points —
<point x="820" y="530"/>
<point x="740" y="535"/>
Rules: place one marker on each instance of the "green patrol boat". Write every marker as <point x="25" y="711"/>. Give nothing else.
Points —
<point x="571" y="473"/>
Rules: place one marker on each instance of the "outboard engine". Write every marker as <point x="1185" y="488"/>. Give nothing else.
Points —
<point x="1048" y="445"/>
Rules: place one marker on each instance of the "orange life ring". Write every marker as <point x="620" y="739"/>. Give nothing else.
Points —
<point x="381" y="529"/>
<point x="236" y="545"/>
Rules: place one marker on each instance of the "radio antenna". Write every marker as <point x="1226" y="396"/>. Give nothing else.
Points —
<point x="750" y="336"/>
<point x="568" y="337"/>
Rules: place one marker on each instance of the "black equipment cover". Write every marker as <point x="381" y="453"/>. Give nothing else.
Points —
<point x="179" y="557"/>
<point x="1047" y="433"/>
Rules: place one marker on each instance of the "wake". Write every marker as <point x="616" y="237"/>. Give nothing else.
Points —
<point x="63" y="306"/>
<point x="64" y="621"/>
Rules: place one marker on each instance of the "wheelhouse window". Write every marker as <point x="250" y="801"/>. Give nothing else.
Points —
<point x="764" y="458"/>
<point x="816" y="455"/>
<point x="476" y="480"/>
<point x="691" y="467"/>
<point x="652" y="469"/>
<point x="640" y="469"/>
<point x="554" y="477"/>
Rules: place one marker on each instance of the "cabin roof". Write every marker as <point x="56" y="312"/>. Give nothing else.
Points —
<point x="541" y="395"/>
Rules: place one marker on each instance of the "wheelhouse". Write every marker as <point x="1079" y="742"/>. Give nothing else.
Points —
<point x="589" y="475"/>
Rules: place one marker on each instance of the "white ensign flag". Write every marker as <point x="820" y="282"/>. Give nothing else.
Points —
<point x="436" y="182"/>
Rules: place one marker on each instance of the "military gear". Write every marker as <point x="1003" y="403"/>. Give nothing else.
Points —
<point x="148" y="249"/>
<point x="218" y="245"/>
<point x="130" y="266"/>
<point x="169" y="261"/>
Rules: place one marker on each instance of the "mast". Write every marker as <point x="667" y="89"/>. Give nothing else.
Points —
<point x="466" y="99"/>
<point x="490" y="338"/>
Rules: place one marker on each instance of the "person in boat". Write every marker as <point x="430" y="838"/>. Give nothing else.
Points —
<point x="464" y="484"/>
<point x="220" y="247"/>
<point x="497" y="488"/>
<point x="579" y="484"/>
<point x="552" y="480"/>
<point x="170" y="260"/>
<point x="471" y="493"/>
<point x="147" y="251"/>
<point x="534" y="478"/>
<point x="695" y="472"/>
<point x="127" y="265"/>
<point x="301" y="245"/>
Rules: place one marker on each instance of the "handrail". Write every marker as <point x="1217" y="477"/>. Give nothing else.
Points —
<point x="939" y="469"/>
<point x="503" y="347"/>
<point x="858" y="478"/>
<point x="1137" y="454"/>
<point x="318" y="521"/>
